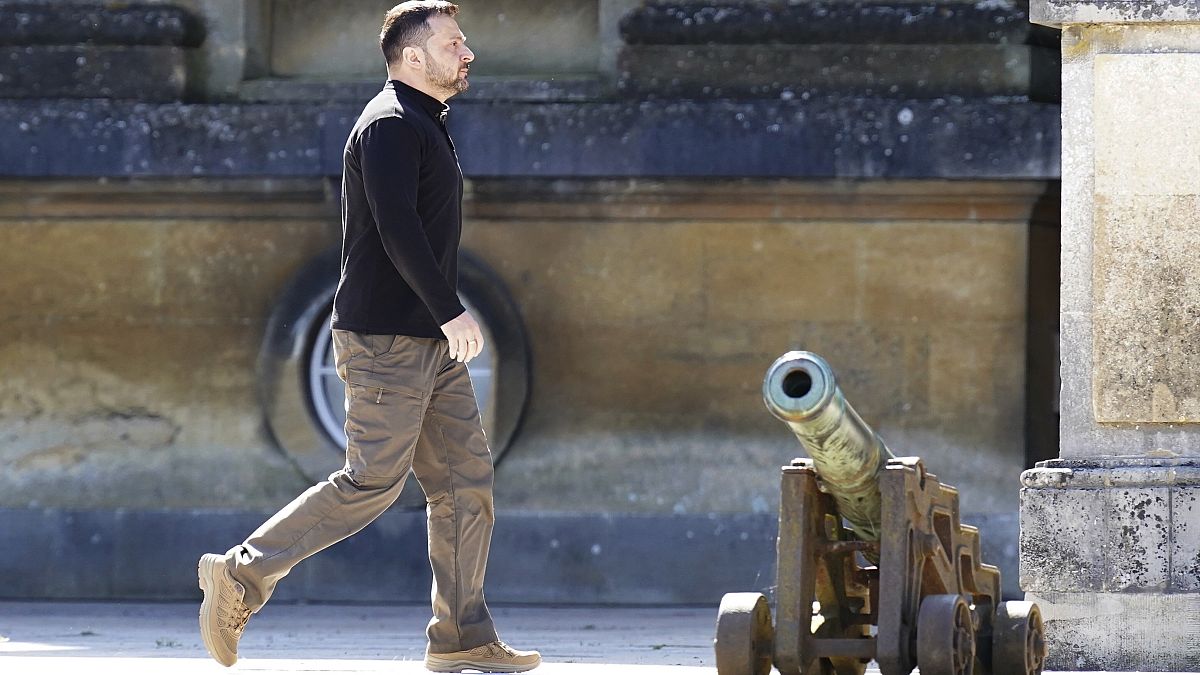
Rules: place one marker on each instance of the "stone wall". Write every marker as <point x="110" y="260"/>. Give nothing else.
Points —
<point x="655" y="308"/>
<point x="136" y="311"/>
<point x="133" y="314"/>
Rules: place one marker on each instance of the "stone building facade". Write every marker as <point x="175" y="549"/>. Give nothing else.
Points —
<point x="662" y="196"/>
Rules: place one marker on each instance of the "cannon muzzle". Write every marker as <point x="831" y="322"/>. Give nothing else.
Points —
<point x="801" y="390"/>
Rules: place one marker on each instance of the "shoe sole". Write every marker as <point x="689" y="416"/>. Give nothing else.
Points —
<point x="438" y="665"/>
<point x="206" y="571"/>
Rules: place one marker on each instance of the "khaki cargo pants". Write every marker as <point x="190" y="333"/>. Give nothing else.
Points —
<point x="408" y="405"/>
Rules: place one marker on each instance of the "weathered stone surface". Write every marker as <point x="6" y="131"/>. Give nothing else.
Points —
<point x="483" y="89"/>
<point x="1147" y="238"/>
<point x="149" y="74"/>
<point x="947" y="363"/>
<point x="316" y="38"/>
<point x="889" y="70"/>
<point x="1111" y="548"/>
<point x="97" y="23"/>
<point x="829" y="137"/>
<point x="960" y="288"/>
<point x="585" y="558"/>
<point x="652" y="312"/>
<point x="813" y="250"/>
<point x="1143" y="147"/>
<point x="109" y="138"/>
<point x="850" y="138"/>
<point x="131" y="379"/>
<point x="1109" y="527"/>
<point x="1062" y="540"/>
<point x="233" y="39"/>
<point x="1082" y="435"/>
<point x="1138" y="522"/>
<point x="754" y="22"/>
<point x="1058" y="13"/>
<point x="1121" y="631"/>
<point x="1147" y="263"/>
<point x="1185" y="539"/>
<point x="106" y="411"/>
<point x="140" y="277"/>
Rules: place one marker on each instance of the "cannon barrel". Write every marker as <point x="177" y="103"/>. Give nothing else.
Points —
<point x="848" y="455"/>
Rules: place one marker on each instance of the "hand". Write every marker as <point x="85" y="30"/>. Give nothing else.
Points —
<point x="465" y="336"/>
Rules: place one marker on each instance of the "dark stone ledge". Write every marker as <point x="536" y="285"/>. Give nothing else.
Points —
<point x="544" y="558"/>
<point x="752" y="22"/>
<point x="826" y="138"/>
<point x="113" y="138"/>
<point x="885" y="70"/>
<point x="50" y="22"/>
<point x="535" y="557"/>
<point x="483" y="88"/>
<point x="150" y="74"/>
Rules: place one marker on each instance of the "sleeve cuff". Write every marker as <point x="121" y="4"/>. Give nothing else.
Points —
<point x="444" y="315"/>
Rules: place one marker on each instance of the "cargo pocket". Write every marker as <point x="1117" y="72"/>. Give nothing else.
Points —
<point x="383" y="367"/>
<point x="382" y="428"/>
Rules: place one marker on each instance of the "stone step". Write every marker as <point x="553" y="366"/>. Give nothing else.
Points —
<point x="804" y="71"/>
<point x="845" y="137"/>
<point x="97" y="23"/>
<point x="151" y="74"/>
<point x="483" y="88"/>
<point x="752" y="22"/>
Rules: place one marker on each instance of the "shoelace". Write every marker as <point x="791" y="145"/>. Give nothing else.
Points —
<point x="505" y="649"/>
<point x="237" y="618"/>
<point x="494" y="650"/>
<point x="240" y="618"/>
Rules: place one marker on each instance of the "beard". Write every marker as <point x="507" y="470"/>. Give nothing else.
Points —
<point x="445" y="78"/>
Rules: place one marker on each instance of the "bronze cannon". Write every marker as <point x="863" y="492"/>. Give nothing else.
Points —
<point x="873" y="563"/>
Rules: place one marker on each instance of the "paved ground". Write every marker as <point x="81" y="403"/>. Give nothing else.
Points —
<point x="136" y="639"/>
<point x="55" y="638"/>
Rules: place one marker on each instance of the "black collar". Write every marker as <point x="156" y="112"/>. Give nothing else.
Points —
<point x="436" y="109"/>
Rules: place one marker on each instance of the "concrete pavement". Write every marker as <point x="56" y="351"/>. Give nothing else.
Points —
<point x="61" y="638"/>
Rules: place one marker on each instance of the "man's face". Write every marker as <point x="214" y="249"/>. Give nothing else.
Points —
<point x="447" y="56"/>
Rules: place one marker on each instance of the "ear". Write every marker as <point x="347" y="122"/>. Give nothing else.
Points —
<point x="411" y="56"/>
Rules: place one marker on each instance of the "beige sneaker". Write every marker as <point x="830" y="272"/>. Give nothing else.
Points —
<point x="223" y="615"/>
<point x="494" y="657"/>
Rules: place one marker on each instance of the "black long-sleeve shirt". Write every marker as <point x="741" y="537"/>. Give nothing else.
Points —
<point x="401" y="218"/>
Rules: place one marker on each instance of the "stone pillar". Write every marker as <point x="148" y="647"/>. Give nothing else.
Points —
<point x="1110" y="531"/>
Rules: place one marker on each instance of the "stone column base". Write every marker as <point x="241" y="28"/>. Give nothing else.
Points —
<point x="1121" y="631"/>
<point x="1110" y="549"/>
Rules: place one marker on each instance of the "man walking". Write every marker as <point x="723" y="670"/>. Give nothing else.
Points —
<point x="401" y="341"/>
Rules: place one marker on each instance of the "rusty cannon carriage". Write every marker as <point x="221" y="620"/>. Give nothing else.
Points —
<point x="873" y="563"/>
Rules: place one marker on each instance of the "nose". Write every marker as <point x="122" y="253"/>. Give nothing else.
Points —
<point x="468" y="55"/>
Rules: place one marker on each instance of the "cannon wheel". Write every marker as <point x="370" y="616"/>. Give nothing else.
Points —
<point x="1018" y="640"/>
<point x="945" y="636"/>
<point x="745" y="638"/>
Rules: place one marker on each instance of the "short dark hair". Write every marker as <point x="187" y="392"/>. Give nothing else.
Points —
<point x="407" y="25"/>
